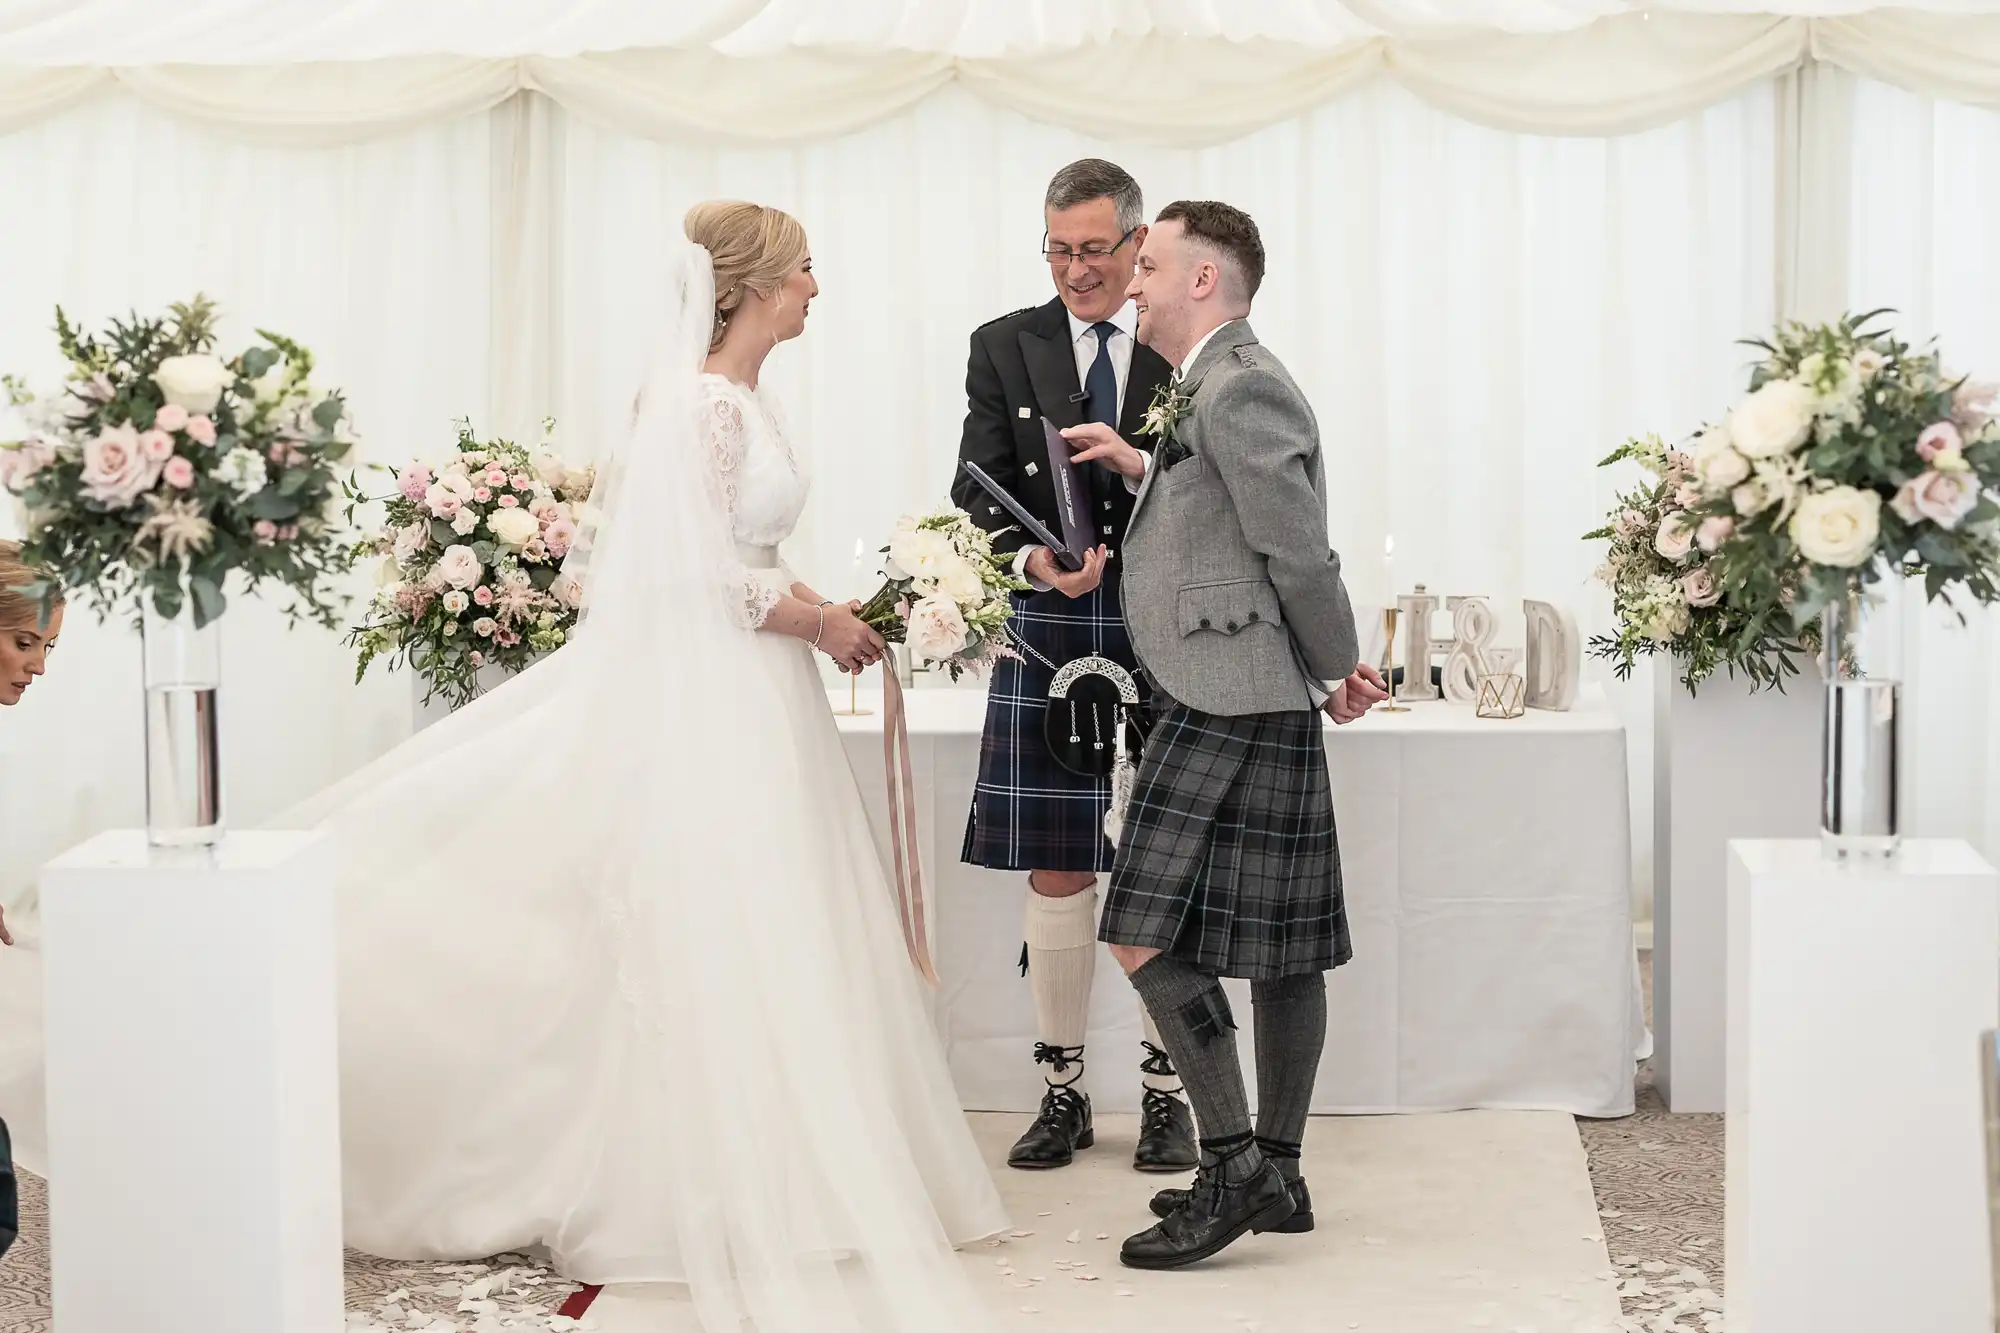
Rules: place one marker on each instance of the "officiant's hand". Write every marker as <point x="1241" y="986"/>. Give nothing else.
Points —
<point x="1097" y="443"/>
<point x="848" y="640"/>
<point x="1356" y="695"/>
<point x="1044" y="570"/>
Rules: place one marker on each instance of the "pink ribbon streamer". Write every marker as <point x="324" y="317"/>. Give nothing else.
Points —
<point x="903" y="822"/>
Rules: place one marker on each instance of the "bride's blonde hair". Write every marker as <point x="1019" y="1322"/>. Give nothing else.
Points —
<point x="16" y="610"/>
<point x="754" y="248"/>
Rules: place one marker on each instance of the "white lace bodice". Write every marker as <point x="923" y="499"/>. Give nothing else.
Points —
<point x="758" y="480"/>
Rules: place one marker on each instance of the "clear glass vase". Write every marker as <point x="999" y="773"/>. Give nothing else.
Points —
<point x="1861" y="657"/>
<point x="183" y="667"/>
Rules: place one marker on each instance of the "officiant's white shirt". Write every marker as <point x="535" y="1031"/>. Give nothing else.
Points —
<point x="1083" y="341"/>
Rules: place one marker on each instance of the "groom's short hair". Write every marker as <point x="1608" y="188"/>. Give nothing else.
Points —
<point x="1094" y="178"/>
<point x="1228" y="230"/>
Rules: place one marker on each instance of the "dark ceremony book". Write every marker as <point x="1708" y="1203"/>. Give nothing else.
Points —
<point x="1072" y="503"/>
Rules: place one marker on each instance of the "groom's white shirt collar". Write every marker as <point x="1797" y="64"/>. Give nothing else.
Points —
<point x="1187" y="362"/>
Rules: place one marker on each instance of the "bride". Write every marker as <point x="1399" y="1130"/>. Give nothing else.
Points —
<point x="620" y="973"/>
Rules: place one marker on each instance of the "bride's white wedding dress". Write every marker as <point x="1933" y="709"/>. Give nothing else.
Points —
<point x="620" y="971"/>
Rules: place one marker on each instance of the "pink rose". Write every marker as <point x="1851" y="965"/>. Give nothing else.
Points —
<point x="413" y="481"/>
<point x="509" y="502"/>
<point x="1973" y="404"/>
<point x="484" y="627"/>
<point x="157" y="445"/>
<point x="482" y="495"/>
<point x="115" y="468"/>
<point x="1939" y="437"/>
<point x="171" y="417"/>
<point x="1673" y="540"/>
<point x="1689" y="495"/>
<point x="559" y="536"/>
<point x="1699" y="586"/>
<point x="545" y="510"/>
<point x="1631" y="522"/>
<point x="201" y="430"/>
<point x="476" y="658"/>
<point x="523" y="482"/>
<point x="1942" y="497"/>
<point x="18" y="466"/>
<point x="483" y="595"/>
<point x="265" y="530"/>
<point x="1713" y="532"/>
<point x="179" y="473"/>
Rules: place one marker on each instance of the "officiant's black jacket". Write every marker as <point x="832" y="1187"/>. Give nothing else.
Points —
<point x="1026" y="360"/>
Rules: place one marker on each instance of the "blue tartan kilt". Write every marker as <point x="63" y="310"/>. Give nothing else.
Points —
<point x="1028" y="811"/>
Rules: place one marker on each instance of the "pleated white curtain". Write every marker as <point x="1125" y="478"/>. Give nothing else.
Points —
<point x="1478" y="317"/>
<point x="1925" y="186"/>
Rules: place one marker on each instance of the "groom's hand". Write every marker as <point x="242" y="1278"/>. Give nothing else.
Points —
<point x="1357" y="694"/>
<point x="1096" y="443"/>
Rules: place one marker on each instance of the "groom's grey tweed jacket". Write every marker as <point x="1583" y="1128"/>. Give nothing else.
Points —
<point x="1231" y="592"/>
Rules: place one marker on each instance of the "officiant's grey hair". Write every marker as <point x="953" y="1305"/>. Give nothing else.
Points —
<point x="1094" y="178"/>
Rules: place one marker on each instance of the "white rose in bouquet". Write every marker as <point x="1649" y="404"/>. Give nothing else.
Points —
<point x="514" y="527"/>
<point x="1717" y="464"/>
<point x="467" y="520"/>
<point x="936" y="629"/>
<point x="1942" y="497"/>
<point x="919" y="554"/>
<point x="1838" y="527"/>
<point x="455" y="602"/>
<point x="1674" y="539"/>
<point x="193" y="382"/>
<point x="1774" y="420"/>
<point x="116" y="469"/>
<point x="459" y="567"/>
<point x="960" y="582"/>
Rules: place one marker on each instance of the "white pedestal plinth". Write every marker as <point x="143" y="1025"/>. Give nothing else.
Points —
<point x="1856" y="1180"/>
<point x="193" y="1087"/>
<point x="1727" y="764"/>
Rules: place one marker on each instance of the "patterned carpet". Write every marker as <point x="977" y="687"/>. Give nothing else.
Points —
<point x="1657" y="1176"/>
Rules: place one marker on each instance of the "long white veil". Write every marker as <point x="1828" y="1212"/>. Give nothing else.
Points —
<point x="589" y="861"/>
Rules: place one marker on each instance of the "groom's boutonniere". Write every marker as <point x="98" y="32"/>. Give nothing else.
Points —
<point x="1164" y="414"/>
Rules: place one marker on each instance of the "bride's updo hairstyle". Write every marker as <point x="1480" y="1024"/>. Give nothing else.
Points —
<point x="754" y="248"/>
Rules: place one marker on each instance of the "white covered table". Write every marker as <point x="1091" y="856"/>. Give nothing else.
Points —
<point x="1487" y="870"/>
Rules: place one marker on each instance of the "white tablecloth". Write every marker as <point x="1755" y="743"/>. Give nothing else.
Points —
<point x="1487" y="871"/>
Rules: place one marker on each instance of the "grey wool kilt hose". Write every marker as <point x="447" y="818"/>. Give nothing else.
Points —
<point x="1228" y="859"/>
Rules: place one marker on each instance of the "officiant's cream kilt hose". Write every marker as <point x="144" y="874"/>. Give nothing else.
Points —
<point x="1229" y="859"/>
<point x="1028" y="811"/>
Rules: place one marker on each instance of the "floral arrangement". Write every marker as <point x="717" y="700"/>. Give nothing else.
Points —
<point x="471" y="559"/>
<point x="947" y="594"/>
<point x="1165" y="413"/>
<point x="164" y="469"/>
<point x="1853" y="458"/>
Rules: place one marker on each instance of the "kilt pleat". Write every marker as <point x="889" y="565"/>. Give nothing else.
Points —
<point x="1230" y="859"/>
<point x="1029" y="812"/>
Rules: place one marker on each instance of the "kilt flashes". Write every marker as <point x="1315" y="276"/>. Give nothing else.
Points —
<point x="1028" y="811"/>
<point x="1229" y="859"/>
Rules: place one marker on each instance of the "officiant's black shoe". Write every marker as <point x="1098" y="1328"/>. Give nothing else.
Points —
<point x="1062" y="1127"/>
<point x="1166" y="1134"/>
<point x="1214" y="1217"/>
<point x="1300" y="1221"/>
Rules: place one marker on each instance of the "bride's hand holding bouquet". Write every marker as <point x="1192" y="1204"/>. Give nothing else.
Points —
<point x="947" y="596"/>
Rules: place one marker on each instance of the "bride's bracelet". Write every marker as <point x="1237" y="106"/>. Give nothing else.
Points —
<point x="822" y="622"/>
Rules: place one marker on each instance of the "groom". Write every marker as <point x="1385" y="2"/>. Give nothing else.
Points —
<point x="1229" y="865"/>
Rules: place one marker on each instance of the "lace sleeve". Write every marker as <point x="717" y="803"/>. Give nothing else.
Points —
<point x="726" y="438"/>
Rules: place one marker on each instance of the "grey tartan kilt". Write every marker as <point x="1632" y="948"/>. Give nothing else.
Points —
<point x="1229" y="859"/>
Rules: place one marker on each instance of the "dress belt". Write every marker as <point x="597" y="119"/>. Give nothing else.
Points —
<point x="757" y="557"/>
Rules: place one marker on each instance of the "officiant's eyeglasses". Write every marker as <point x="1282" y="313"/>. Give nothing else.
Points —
<point x="1090" y="254"/>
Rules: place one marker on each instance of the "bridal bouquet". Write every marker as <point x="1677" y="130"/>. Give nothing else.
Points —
<point x="165" y="468"/>
<point x="947" y="594"/>
<point x="471" y="555"/>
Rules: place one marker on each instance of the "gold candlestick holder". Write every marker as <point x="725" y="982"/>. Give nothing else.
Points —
<point x="1389" y="705"/>
<point x="853" y="708"/>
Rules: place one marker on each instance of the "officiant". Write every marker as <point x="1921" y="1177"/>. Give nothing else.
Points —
<point x="1041" y="797"/>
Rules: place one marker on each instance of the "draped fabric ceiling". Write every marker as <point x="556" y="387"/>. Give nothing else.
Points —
<point x="1180" y="73"/>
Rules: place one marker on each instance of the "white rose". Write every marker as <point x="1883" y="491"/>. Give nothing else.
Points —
<point x="1838" y="527"/>
<point x="1868" y="363"/>
<point x="960" y="582"/>
<point x="548" y="467"/>
<point x="1674" y="539"/>
<point x="459" y="566"/>
<point x="412" y="539"/>
<point x="465" y="521"/>
<point x="270" y="385"/>
<point x="514" y="527"/>
<point x="936" y="630"/>
<point x="1943" y="497"/>
<point x="193" y="382"/>
<point x="919" y="555"/>
<point x="1717" y="464"/>
<point x="455" y="602"/>
<point x="1774" y="420"/>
